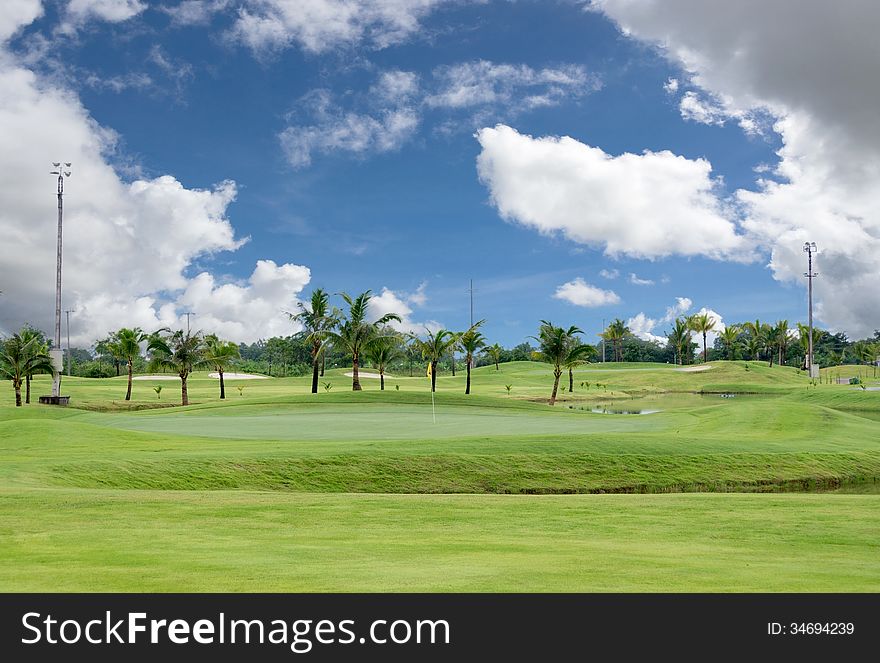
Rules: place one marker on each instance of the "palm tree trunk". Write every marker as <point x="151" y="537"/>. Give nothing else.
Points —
<point x="705" y="349"/>
<point x="27" y="381"/>
<point x="316" y="366"/>
<point x="496" y="365"/>
<point x="323" y="364"/>
<point x="467" y="389"/>
<point x="222" y="385"/>
<point x="355" y="377"/>
<point x="453" y="364"/>
<point x="570" y="381"/>
<point x="130" y="371"/>
<point x="381" y="378"/>
<point x="433" y="376"/>
<point x="184" y="394"/>
<point x="556" y="374"/>
<point x="17" y="386"/>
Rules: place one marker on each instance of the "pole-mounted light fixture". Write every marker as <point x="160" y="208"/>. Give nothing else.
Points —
<point x="810" y="249"/>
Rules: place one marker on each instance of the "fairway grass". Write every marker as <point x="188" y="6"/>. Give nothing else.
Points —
<point x="276" y="489"/>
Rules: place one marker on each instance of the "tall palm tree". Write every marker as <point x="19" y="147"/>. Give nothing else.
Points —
<point x="494" y="352"/>
<point x="616" y="332"/>
<point x="318" y="319"/>
<point x="757" y="330"/>
<point x="470" y="341"/>
<point x="782" y="338"/>
<point x="126" y="345"/>
<point x="26" y="334"/>
<point x="353" y="331"/>
<point x="555" y="346"/>
<point x="221" y="355"/>
<point x="579" y="353"/>
<point x="433" y="347"/>
<point x="804" y="339"/>
<point x="22" y="356"/>
<point x="180" y="352"/>
<point x="702" y="323"/>
<point x="680" y="338"/>
<point x="729" y="337"/>
<point x="771" y="341"/>
<point x="381" y="351"/>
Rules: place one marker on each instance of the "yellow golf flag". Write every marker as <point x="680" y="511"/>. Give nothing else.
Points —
<point x="428" y="373"/>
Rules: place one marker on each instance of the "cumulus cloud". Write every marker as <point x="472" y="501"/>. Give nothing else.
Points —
<point x="15" y="14"/>
<point x="644" y="327"/>
<point x="128" y="246"/>
<point x="609" y="274"/>
<point x="647" y="205"/>
<point x="389" y="301"/>
<point x="813" y="72"/>
<point x="194" y="12"/>
<point x="111" y="11"/>
<point x="671" y="85"/>
<point x="699" y="109"/>
<point x="581" y="293"/>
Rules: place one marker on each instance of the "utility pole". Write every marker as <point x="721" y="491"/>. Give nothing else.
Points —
<point x="188" y="314"/>
<point x="810" y="249"/>
<point x="57" y="353"/>
<point x="69" y="357"/>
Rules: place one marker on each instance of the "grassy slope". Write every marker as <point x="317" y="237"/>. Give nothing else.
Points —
<point x="58" y="532"/>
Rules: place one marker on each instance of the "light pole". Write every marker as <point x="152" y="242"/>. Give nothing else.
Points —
<point x="69" y="357"/>
<point x="810" y="249"/>
<point x="57" y="354"/>
<point x="188" y="314"/>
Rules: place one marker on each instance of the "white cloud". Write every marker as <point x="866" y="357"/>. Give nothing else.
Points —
<point x="484" y="83"/>
<point x="699" y="109"/>
<point x="15" y="14"/>
<point x="682" y="305"/>
<point x="581" y="293"/>
<point x="671" y="85"/>
<point x="814" y="72"/>
<point x="635" y="280"/>
<point x="128" y="246"/>
<point x="389" y="301"/>
<point x="112" y="11"/>
<point x="319" y="25"/>
<point x="642" y="327"/>
<point x="333" y="129"/>
<point x="194" y="12"/>
<point x="609" y="274"/>
<point x="645" y="205"/>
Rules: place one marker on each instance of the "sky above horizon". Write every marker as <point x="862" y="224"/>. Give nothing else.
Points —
<point x="580" y="161"/>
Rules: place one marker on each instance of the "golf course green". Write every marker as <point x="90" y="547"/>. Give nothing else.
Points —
<point x="730" y="476"/>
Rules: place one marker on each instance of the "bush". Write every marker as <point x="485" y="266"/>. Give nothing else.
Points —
<point x="96" y="369"/>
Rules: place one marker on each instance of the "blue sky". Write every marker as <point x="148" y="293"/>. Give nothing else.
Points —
<point x="193" y="102"/>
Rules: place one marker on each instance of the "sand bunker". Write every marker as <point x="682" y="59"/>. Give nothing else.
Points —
<point x="694" y="369"/>
<point x="155" y="377"/>
<point x="237" y="376"/>
<point x="361" y="374"/>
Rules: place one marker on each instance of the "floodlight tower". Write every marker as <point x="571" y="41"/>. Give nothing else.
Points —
<point x="810" y="249"/>
<point x="57" y="353"/>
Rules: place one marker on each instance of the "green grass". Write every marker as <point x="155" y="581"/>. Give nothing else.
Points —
<point x="277" y="489"/>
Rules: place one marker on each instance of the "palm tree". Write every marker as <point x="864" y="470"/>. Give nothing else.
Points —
<point x="616" y="332"/>
<point x="23" y="355"/>
<point x="579" y="353"/>
<point x="729" y="337"/>
<point x="680" y="338"/>
<point x="556" y="345"/>
<point x="702" y="323"/>
<point x="125" y="344"/>
<point x="180" y="352"/>
<point x="220" y="355"/>
<point x="471" y="341"/>
<point x="757" y="330"/>
<point x="771" y="342"/>
<point x="381" y="351"/>
<point x="804" y="338"/>
<point x="26" y="334"/>
<point x="494" y="352"/>
<point x="318" y="319"/>
<point x="354" y="332"/>
<point x="433" y="347"/>
<point x="782" y="337"/>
